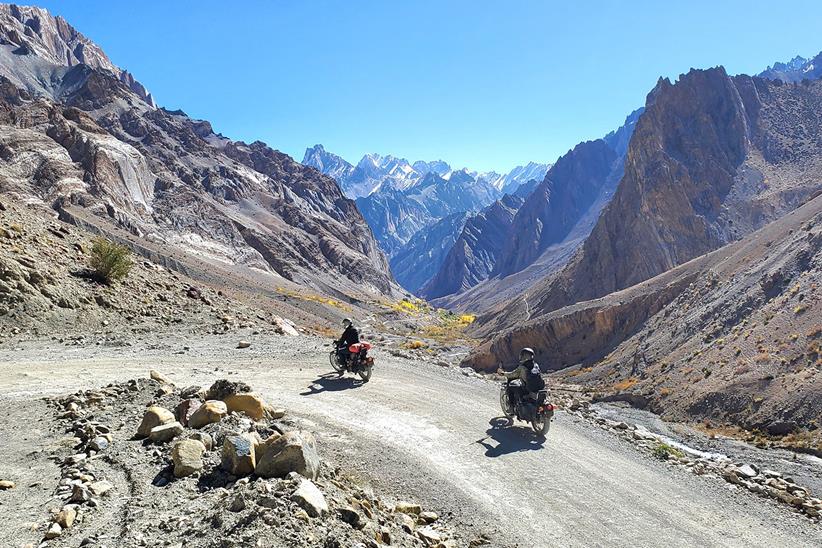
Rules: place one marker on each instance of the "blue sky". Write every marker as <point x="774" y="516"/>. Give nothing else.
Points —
<point x="483" y="84"/>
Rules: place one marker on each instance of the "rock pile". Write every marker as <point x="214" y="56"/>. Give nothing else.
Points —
<point x="215" y="466"/>
<point x="766" y="483"/>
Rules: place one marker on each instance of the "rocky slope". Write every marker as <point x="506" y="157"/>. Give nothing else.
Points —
<point x="712" y="158"/>
<point x="32" y="31"/>
<point x="415" y="263"/>
<point x="732" y="336"/>
<point x="94" y="152"/>
<point x="473" y="255"/>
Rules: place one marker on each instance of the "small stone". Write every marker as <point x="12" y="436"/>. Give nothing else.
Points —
<point x="243" y="344"/>
<point x="429" y="535"/>
<point x="154" y="416"/>
<point x="98" y="444"/>
<point x="238" y="504"/>
<point x="210" y="412"/>
<point x="351" y="517"/>
<point x="79" y="493"/>
<point x="238" y="457"/>
<point x="406" y="522"/>
<point x="250" y="404"/>
<point x="747" y="470"/>
<point x="165" y="432"/>
<point x="54" y="531"/>
<point x="302" y="515"/>
<point x="6" y="484"/>
<point x="100" y="488"/>
<point x="292" y="452"/>
<point x="428" y="517"/>
<point x="407" y="508"/>
<point x="310" y="498"/>
<point x="65" y="518"/>
<point x="186" y="408"/>
<point x="187" y="456"/>
<point x="203" y="438"/>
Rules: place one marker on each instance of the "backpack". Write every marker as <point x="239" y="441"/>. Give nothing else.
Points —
<point x="533" y="380"/>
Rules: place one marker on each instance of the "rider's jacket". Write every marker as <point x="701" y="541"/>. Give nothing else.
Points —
<point x="521" y="372"/>
<point x="350" y="336"/>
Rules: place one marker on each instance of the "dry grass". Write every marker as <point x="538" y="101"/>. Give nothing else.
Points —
<point x="414" y="345"/>
<point x="626" y="384"/>
<point x="310" y="297"/>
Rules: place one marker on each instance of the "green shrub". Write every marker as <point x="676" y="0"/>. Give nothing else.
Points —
<point x="109" y="261"/>
<point x="663" y="451"/>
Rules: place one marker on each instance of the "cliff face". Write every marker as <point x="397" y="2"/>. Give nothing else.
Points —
<point x="474" y="254"/>
<point x="707" y="163"/>
<point x="33" y="31"/>
<point x="548" y="214"/>
<point x="90" y="147"/>
<point x="415" y="263"/>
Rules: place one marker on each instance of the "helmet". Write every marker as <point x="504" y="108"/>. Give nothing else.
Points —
<point x="526" y="354"/>
<point x="346" y="322"/>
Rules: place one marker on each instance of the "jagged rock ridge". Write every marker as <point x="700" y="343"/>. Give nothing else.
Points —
<point x="33" y="31"/>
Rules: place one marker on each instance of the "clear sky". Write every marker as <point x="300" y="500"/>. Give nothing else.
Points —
<point x="483" y="84"/>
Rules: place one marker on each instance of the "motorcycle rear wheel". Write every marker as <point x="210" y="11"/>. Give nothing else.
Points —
<point x="505" y="404"/>
<point x="365" y="373"/>
<point x="541" y="424"/>
<point x="335" y="362"/>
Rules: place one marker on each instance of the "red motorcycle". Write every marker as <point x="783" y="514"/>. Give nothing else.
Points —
<point x="358" y="362"/>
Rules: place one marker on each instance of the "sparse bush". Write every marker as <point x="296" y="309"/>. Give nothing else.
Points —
<point x="663" y="451"/>
<point x="109" y="261"/>
<point x="415" y="345"/>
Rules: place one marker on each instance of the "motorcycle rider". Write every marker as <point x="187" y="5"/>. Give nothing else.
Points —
<point x="529" y="375"/>
<point x="349" y="336"/>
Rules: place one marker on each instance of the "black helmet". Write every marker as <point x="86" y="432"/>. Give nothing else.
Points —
<point x="526" y="354"/>
<point x="346" y="322"/>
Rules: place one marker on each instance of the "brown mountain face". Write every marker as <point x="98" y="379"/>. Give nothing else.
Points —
<point x="95" y="151"/>
<point x="732" y="336"/>
<point x="474" y="254"/>
<point x="711" y="159"/>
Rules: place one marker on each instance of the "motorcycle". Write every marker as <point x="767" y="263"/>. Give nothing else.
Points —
<point x="538" y="412"/>
<point x="359" y="362"/>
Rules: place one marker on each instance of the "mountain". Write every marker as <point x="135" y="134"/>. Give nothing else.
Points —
<point x="795" y="70"/>
<point x="396" y="215"/>
<point x="550" y="222"/>
<point x="473" y="255"/>
<point x="510" y="182"/>
<point x="28" y="32"/>
<point x="712" y="158"/>
<point x="78" y="140"/>
<point x="732" y="336"/>
<point x="416" y="262"/>
<point x="372" y="173"/>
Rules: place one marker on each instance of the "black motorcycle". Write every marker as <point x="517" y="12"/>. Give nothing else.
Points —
<point x="358" y="362"/>
<point x="538" y="412"/>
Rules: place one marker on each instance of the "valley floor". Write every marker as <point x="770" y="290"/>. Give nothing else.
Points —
<point x="417" y="431"/>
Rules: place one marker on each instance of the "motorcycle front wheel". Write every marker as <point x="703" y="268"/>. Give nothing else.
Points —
<point x="541" y="424"/>
<point x="335" y="362"/>
<point x="365" y="373"/>
<point x="505" y="403"/>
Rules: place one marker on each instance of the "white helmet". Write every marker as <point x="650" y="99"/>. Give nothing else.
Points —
<point x="526" y="354"/>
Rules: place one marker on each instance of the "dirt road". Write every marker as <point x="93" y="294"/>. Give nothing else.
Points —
<point x="423" y="431"/>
